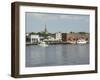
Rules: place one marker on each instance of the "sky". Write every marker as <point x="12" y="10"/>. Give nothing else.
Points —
<point x="55" y="22"/>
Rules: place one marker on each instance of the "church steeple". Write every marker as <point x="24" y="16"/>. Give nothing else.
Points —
<point x="45" y="30"/>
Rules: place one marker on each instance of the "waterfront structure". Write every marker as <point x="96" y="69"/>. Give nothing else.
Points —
<point x="83" y="36"/>
<point x="58" y="36"/>
<point x="27" y="37"/>
<point x="34" y="38"/>
<point x="64" y="37"/>
<point x="74" y="37"/>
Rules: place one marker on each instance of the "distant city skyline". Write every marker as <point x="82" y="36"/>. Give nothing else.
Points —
<point x="36" y="22"/>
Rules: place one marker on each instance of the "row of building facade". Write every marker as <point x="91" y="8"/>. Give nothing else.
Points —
<point x="56" y="37"/>
<point x="60" y="37"/>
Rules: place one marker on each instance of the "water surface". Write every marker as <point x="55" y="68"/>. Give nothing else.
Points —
<point x="57" y="55"/>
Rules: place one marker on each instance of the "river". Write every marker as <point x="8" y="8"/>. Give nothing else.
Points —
<point x="57" y="55"/>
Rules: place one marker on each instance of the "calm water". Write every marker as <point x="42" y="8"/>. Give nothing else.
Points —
<point x="55" y="55"/>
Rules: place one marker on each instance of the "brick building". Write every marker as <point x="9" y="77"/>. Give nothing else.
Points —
<point x="74" y="36"/>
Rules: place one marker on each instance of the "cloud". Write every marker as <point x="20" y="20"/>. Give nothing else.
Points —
<point x="74" y="17"/>
<point x="53" y="17"/>
<point x="38" y="15"/>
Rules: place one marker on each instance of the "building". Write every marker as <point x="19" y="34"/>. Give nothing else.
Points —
<point x="83" y="36"/>
<point x="64" y="36"/>
<point x="74" y="37"/>
<point x="34" y="38"/>
<point x="27" y="37"/>
<point x="58" y="36"/>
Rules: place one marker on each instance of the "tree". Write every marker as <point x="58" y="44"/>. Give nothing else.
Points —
<point x="33" y="33"/>
<point x="82" y="32"/>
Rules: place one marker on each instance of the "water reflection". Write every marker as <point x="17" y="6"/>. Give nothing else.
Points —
<point x="55" y="55"/>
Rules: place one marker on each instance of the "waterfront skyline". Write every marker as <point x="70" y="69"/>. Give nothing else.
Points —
<point x="35" y="22"/>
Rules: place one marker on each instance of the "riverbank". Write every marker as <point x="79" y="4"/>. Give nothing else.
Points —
<point x="55" y="43"/>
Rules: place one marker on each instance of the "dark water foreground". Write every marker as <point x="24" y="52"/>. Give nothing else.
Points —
<point x="56" y="55"/>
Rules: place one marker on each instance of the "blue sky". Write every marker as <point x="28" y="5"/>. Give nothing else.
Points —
<point x="35" y="22"/>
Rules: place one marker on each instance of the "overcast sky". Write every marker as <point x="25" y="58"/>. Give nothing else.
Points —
<point x="35" y="22"/>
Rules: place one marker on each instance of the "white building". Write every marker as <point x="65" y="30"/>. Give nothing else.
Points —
<point x="58" y="36"/>
<point x="34" y="38"/>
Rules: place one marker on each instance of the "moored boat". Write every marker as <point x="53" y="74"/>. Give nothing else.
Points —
<point x="82" y="41"/>
<point x="71" y="42"/>
<point x="43" y="44"/>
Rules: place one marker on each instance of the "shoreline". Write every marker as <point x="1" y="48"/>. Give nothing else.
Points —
<point x="54" y="43"/>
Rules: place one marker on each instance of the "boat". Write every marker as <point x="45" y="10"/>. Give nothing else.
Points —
<point x="43" y="44"/>
<point x="82" y="41"/>
<point x="71" y="42"/>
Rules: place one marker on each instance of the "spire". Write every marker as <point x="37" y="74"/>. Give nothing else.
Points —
<point x="45" y="30"/>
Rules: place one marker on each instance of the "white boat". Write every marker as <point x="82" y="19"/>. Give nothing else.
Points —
<point x="71" y="42"/>
<point x="43" y="44"/>
<point x="82" y="41"/>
